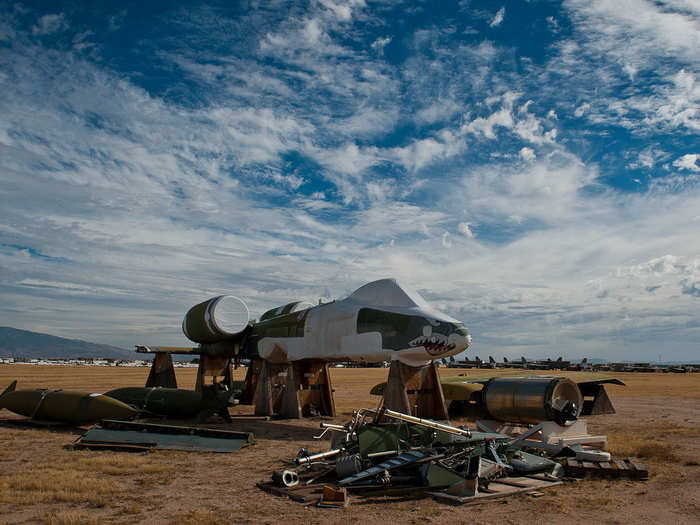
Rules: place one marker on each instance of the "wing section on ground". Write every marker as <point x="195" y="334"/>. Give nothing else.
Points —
<point x="467" y="388"/>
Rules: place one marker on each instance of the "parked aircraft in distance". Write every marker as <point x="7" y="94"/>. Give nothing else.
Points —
<point x="477" y="362"/>
<point x="542" y="364"/>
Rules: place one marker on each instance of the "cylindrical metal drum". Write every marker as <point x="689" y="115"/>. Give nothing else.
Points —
<point x="346" y="466"/>
<point x="532" y="399"/>
<point x="216" y="319"/>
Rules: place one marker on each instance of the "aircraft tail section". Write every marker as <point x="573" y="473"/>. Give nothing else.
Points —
<point x="9" y="389"/>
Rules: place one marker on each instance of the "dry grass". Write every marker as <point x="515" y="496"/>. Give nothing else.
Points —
<point x="70" y="517"/>
<point x="55" y="486"/>
<point x="200" y="517"/>
<point x="121" y="465"/>
<point x="652" y="448"/>
<point x="88" y="379"/>
<point x="80" y="477"/>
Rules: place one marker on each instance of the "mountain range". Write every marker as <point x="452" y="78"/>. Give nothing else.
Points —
<point x="25" y="344"/>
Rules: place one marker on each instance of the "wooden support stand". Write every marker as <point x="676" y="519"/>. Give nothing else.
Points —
<point x="162" y="372"/>
<point x="295" y="390"/>
<point x="600" y="404"/>
<point x="214" y="367"/>
<point x="308" y="390"/>
<point x="250" y="384"/>
<point x="415" y="391"/>
<point x="268" y="393"/>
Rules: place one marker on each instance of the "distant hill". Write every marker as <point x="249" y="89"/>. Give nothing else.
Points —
<point x="22" y="343"/>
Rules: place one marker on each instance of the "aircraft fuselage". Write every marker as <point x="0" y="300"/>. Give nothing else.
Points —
<point x="349" y="331"/>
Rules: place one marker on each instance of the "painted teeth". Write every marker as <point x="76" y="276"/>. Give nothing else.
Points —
<point x="434" y="341"/>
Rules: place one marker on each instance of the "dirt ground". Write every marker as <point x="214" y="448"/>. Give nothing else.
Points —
<point x="43" y="481"/>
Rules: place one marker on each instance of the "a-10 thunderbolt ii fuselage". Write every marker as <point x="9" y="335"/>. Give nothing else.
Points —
<point x="381" y="321"/>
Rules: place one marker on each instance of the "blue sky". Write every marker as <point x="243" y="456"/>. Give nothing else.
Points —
<point x="532" y="168"/>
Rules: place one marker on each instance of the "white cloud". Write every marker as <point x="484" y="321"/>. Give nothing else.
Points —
<point x="49" y="24"/>
<point x="422" y="152"/>
<point x="436" y="111"/>
<point x="552" y="24"/>
<point x="527" y="154"/>
<point x="624" y="39"/>
<point x="349" y="159"/>
<point x="546" y="191"/>
<point x="446" y="242"/>
<point x="486" y="126"/>
<point x="129" y="204"/>
<point x="648" y="158"/>
<point x="465" y="229"/>
<point x="312" y="32"/>
<point x="380" y="43"/>
<point x="582" y="109"/>
<point x="525" y="125"/>
<point x="688" y="162"/>
<point x="343" y="10"/>
<point x="644" y="27"/>
<point x="498" y="17"/>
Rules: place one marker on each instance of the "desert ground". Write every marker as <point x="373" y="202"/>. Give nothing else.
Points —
<point x="42" y="480"/>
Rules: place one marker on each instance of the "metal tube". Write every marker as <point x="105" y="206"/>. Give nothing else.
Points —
<point x="383" y="453"/>
<point x="331" y="426"/>
<point x="315" y="457"/>
<point x="426" y="423"/>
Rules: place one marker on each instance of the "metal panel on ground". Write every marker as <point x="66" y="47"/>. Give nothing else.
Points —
<point x="143" y="436"/>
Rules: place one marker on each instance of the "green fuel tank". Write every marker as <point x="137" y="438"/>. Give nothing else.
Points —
<point x="175" y="402"/>
<point x="63" y="405"/>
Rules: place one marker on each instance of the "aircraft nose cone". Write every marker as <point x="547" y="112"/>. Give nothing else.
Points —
<point x="461" y="339"/>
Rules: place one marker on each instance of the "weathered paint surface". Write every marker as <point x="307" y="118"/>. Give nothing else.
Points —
<point x="381" y="321"/>
<point x="64" y="405"/>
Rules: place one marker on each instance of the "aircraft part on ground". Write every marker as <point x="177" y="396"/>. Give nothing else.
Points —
<point x="532" y="399"/>
<point x="216" y="319"/>
<point x="175" y="402"/>
<point x="128" y="435"/>
<point x="64" y="405"/>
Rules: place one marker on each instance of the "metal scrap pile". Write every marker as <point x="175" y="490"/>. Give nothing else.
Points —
<point x="385" y="453"/>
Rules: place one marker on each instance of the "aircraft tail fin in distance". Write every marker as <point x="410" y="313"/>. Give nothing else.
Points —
<point x="10" y="388"/>
<point x="505" y="359"/>
<point x="491" y="359"/>
<point x="559" y="359"/>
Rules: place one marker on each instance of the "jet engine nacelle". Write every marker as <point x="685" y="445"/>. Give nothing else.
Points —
<point x="216" y="319"/>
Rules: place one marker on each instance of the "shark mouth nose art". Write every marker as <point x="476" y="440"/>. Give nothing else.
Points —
<point x="434" y="344"/>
